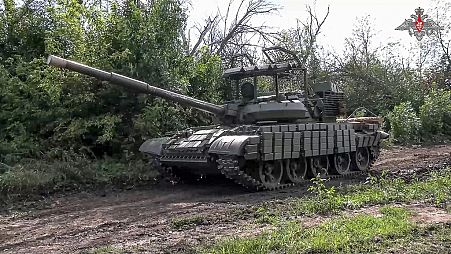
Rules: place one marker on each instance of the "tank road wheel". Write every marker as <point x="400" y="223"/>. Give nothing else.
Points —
<point x="271" y="173"/>
<point x="362" y="158"/>
<point x="342" y="163"/>
<point x="319" y="165"/>
<point x="296" y="169"/>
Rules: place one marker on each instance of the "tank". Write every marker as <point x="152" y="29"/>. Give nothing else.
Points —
<point x="275" y="129"/>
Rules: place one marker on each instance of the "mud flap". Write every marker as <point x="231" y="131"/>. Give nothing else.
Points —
<point x="153" y="146"/>
<point x="231" y="145"/>
<point x="383" y="134"/>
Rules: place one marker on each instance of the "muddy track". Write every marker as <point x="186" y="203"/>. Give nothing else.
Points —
<point x="140" y="220"/>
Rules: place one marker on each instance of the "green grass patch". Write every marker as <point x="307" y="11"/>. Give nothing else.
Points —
<point x="359" y="234"/>
<point x="30" y="178"/>
<point x="264" y="215"/>
<point x="188" y="222"/>
<point x="436" y="189"/>
<point x="346" y="234"/>
<point x="430" y="239"/>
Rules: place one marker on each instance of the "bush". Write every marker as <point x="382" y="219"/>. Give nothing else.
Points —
<point x="435" y="113"/>
<point x="46" y="108"/>
<point x="405" y="124"/>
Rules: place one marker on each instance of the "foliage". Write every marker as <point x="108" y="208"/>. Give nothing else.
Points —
<point x="405" y="125"/>
<point x="373" y="76"/>
<point x="47" y="108"/>
<point x="430" y="239"/>
<point x="434" y="119"/>
<point x="360" y="233"/>
<point x="264" y="215"/>
<point x="435" y="113"/>
<point x="319" y="188"/>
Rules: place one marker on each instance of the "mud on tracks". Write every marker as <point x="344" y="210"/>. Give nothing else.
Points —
<point x="143" y="220"/>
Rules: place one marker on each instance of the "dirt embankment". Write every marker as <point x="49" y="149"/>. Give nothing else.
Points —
<point x="142" y="220"/>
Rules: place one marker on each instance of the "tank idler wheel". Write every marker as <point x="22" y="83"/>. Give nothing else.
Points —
<point x="362" y="158"/>
<point x="270" y="173"/>
<point x="342" y="163"/>
<point x="296" y="169"/>
<point x="319" y="165"/>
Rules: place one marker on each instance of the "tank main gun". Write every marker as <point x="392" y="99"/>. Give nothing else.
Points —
<point x="263" y="93"/>
<point x="137" y="85"/>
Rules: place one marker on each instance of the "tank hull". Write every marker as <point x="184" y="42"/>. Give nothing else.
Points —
<point x="272" y="156"/>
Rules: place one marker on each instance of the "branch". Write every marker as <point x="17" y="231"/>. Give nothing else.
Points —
<point x="254" y="7"/>
<point x="444" y="48"/>
<point x="313" y="33"/>
<point x="204" y="32"/>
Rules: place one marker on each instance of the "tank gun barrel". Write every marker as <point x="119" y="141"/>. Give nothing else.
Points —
<point x="135" y="84"/>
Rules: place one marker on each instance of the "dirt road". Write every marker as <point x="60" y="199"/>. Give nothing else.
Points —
<point x="143" y="220"/>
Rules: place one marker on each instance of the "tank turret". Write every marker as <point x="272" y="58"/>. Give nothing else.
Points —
<point x="277" y="92"/>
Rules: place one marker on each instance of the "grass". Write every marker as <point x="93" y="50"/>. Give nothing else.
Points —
<point x="264" y="215"/>
<point x="347" y="234"/>
<point x="392" y="232"/>
<point x="436" y="189"/>
<point x="188" y="222"/>
<point x="429" y="239"/>
<point x="31" y="178"/>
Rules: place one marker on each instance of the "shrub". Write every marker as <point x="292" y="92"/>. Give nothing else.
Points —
<point x="435" y="113"/>
<point x="405" y="124"/>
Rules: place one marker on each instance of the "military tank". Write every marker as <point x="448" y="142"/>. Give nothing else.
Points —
<point x="274" y="130"/>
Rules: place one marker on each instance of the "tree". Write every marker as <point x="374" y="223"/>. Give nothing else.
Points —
<point x="52" y="109"/>
<point x="303" y="41"/>
<point x="234" y="32"/>
<point x="443" y="40"/>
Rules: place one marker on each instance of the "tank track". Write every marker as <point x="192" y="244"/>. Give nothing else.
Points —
<point x="229" y="167"/>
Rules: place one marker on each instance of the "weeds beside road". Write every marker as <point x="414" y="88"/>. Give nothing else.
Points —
<point x="32" y="179"/>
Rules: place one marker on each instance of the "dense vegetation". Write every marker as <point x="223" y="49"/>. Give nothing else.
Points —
<point x="49" y="114"/>
<point x="53" y="115"/>
<point x="46" y="111"/>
